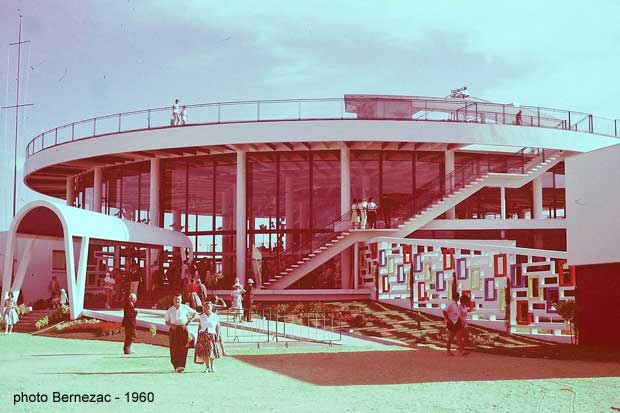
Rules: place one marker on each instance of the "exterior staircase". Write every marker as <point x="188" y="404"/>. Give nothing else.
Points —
<point x="26" y="321"/>
<point x="439" y="198"/>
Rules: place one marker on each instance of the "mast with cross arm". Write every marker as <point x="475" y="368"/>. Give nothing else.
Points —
<point x="17" y="106"/>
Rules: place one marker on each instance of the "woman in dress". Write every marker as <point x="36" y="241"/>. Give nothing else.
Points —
<point x="9" y="314"/>
<point x="237" y="303"/>
<point x="355" y="216"/>
<point x="206" y="350"/>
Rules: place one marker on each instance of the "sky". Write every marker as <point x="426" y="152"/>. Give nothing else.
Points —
<point x="90" y="58"/>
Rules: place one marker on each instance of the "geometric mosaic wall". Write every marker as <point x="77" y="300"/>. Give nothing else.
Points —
<point x="529" y="283"/>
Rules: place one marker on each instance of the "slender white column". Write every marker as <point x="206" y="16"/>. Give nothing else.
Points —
<point x="356" y="266"/>
<point x="502" y="194"/>
<point x="97" y="182"/>
<point x="81" y="275"/>
<point x="537" y="195"/>
<point x="154" y="213"/>
<point x="449" y="168"/>
<point x="345" y="180"/>
<point x="345" y="206"/>
<point x="154" y="206"/>
<point x="24" y="261"/>
<point x="241" y="227"/>
<point x="70" y="190"/>
<point x="71" y="281"/>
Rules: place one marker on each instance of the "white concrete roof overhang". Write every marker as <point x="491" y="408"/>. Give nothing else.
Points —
<point x="36" y="219"/>
<point x="44" y="219"/>
<point x="202" y="135"/>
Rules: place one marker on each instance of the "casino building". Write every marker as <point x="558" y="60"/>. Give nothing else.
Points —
<point x="472" y="196"/>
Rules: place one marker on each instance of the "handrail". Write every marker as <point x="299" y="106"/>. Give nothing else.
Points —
<point x="424" y="196"/>
<point x="424" y="109"/>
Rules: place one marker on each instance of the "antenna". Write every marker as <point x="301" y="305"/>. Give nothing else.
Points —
<point x="17" y="106"/>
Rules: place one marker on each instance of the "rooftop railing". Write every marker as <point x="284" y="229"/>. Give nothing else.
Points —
<point x="357" y="107"/>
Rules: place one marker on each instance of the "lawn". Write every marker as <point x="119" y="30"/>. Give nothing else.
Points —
<point x="302" y="378"/>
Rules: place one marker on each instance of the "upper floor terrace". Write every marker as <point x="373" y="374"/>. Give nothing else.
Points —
<point x="351" y="107"/>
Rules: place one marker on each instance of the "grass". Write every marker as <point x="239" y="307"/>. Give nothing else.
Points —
<point x="302" y="378"/>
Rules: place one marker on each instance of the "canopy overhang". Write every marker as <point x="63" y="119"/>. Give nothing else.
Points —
<point x="44" y="219"/>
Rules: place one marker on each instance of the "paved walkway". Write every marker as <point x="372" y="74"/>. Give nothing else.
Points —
<point x="259" y="330"/>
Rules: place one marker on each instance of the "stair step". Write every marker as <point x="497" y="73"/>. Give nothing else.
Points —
<point x="346" y="233"/>
<point x="306" y="259"/>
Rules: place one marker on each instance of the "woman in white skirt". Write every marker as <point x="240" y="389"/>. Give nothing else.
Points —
<point x="9" y="314"/>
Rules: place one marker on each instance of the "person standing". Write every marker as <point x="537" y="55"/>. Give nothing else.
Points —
<point x="178" y="318"/>
<point x="129" y="322"/>
<point x="371" y="212"/>
<point x="54" y="290"/>
<point x="248" y="300"/>
<point x="463" y="309"/>
<point x="9" y="313"/>
<point x="108" y="287"/>
<point x="206" y="350"/>
<point x="452" y="317"/>
<point x="176" y="118"/>
<point x="64" y="298"/>
<point x="237" y="303"/>
<point x="183" y="116"/>
<point x="355" y="216"/>
<point x="361" y="207"/>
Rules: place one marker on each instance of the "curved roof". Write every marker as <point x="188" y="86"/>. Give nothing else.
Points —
<point x="357" y="121"/>
<point x="44" y="218"/>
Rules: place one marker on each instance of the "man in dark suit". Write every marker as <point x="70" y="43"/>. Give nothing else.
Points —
<point x="129" y="322"/>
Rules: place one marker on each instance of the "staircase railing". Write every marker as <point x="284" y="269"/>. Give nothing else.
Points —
<point x="425" y="196"/>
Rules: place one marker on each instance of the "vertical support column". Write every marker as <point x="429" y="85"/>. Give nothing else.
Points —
<point x="71" y="280"/>
<point x="81" y="276"/>
<point x="537" y="195"/>
<point x="502" y="195"/>
<point x="154" y="214"/>
<point x="345" y="206"/>
<point x="241" y="225"/>
<point x="24" y="261"/>
<point x="97" y="183"/>
<point x="345" y="180"/>
<point x="449" y="168"/>
<point x="70" y="190"/>
<point x="356" y="266"/>
<point x="155" y="182"/>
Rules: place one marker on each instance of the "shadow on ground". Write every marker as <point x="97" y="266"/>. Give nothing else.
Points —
<point x="422" y="366"/>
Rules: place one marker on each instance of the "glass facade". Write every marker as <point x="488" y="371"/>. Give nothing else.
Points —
<point x="198" y="197"/>
<point x="393" y="178"/>
<point x="125" y="191"/>
<point x="293" y="197"/>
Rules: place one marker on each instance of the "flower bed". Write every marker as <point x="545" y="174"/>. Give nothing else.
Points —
<point x="100" y="328"/>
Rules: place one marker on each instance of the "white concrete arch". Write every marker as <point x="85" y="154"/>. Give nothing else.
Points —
<point x="43" y="219"/>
